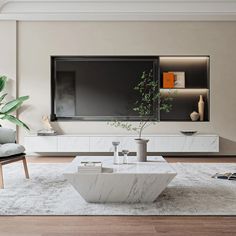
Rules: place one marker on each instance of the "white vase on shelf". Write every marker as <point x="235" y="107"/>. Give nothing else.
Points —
<point x="201" y="108"/>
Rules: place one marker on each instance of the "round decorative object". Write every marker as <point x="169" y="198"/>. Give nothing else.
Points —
<point x="194" y="116"/>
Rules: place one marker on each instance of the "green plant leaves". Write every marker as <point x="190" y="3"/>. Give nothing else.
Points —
<point x="13" y="105"/>
<point x="15" y="121"/>
<point x="2" y="97"/>
<point x="3" y="80"/>
<point x="148" y="94"/>
<point x="149" y="98"/>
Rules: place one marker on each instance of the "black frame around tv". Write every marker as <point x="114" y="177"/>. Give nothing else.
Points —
<point x="65" y="106"/>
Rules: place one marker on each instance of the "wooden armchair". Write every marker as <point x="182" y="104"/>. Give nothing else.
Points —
<point x="10" y="152"/>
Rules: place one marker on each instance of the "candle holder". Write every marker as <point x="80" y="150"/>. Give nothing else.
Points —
<point x="125" y="157"/>
<point x="116" y="158"/>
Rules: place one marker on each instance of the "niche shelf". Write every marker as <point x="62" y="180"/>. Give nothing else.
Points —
<point x="196" y="70"/>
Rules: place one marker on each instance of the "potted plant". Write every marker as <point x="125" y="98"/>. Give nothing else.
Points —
<point x="7" y="108"/>
<point x="149" y="99"/>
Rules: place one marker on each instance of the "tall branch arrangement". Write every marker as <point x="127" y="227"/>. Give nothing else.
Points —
<point x="7" y="108"/>
<point x="149" y="97"/>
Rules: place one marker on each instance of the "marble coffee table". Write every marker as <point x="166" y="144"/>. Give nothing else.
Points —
<point x="134" y="182"/>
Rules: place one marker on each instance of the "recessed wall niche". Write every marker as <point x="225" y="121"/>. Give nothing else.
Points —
<point x="100" y="88"/>
<point x="195" y="74"/>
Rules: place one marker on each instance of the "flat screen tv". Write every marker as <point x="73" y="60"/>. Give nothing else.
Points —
<point x="97" y="88"/>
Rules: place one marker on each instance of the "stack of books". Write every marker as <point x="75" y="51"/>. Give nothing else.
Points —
<point x="46" y="132"/>
<point x="90" y="167"/>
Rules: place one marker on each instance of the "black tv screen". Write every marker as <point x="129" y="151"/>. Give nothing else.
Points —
<point x="97" y="88"/>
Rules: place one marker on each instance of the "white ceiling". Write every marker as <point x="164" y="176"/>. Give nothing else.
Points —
<point x="120" y="10"/>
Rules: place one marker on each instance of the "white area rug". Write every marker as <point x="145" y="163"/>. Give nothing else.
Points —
<point x="192" y="192"/>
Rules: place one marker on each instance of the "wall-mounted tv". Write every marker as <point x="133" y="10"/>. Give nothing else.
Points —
<point x="97" y="88"/>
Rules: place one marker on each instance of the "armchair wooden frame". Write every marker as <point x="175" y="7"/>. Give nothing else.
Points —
<point x="9" y="160"/>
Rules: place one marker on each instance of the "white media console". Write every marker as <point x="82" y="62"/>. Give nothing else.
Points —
<point x="103" y="143"/>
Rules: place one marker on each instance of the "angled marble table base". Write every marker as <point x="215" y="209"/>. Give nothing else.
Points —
<point x="134" y="182"/>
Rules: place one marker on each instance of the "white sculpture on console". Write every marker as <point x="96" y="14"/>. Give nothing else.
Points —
<point x="47" y="128"/>
<point x="46" y="123"/>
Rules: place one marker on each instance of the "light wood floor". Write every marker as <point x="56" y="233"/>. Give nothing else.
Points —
<point x="207" y="159"/>
<point x="119" y="225"/>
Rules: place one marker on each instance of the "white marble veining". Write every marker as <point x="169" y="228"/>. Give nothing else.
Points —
<point x="183" y="143"/>
<point x="41" y="144"/>
<point x="103" y="143"/>
<point x="134" y="182"/>
<point x="72" y="144"/>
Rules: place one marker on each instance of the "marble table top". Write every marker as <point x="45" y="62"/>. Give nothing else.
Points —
<point x="155" y="164"/>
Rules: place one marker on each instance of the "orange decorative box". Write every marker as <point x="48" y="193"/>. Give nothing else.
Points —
<point x="168" y="80"/>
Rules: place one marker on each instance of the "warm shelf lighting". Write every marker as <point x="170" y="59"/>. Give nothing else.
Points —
<point x="184" y="58"/>
<point x="185" y="90"/>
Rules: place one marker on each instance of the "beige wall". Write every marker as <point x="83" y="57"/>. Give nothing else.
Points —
<point x="8" y="54"/>
<point x="39" y="40"/>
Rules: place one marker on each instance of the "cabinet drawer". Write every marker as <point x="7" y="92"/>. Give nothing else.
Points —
<point x="186" y="144"/>
<point x="104" y="144"/>
<point x="73" y="144"/>
<point x="41" y="144"/>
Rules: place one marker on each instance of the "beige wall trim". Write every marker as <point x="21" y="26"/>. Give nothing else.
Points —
<point x="8" y="60"/>
<point x="17" y="74"/>
<point x="118" y="10"/>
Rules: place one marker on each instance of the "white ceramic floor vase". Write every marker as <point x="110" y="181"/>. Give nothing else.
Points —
<point x="141" y="149"/>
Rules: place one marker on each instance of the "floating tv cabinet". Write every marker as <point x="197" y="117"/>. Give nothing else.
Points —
<point x="205" y="143"/>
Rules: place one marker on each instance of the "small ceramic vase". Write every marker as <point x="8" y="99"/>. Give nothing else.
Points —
<point x="141" y="149"/>
<point x="201" y="108"/>
<point x="194" y="116"/>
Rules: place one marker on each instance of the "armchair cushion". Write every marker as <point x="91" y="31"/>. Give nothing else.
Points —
<point x="10" y="149"/>
<point x="7" y="135"/>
